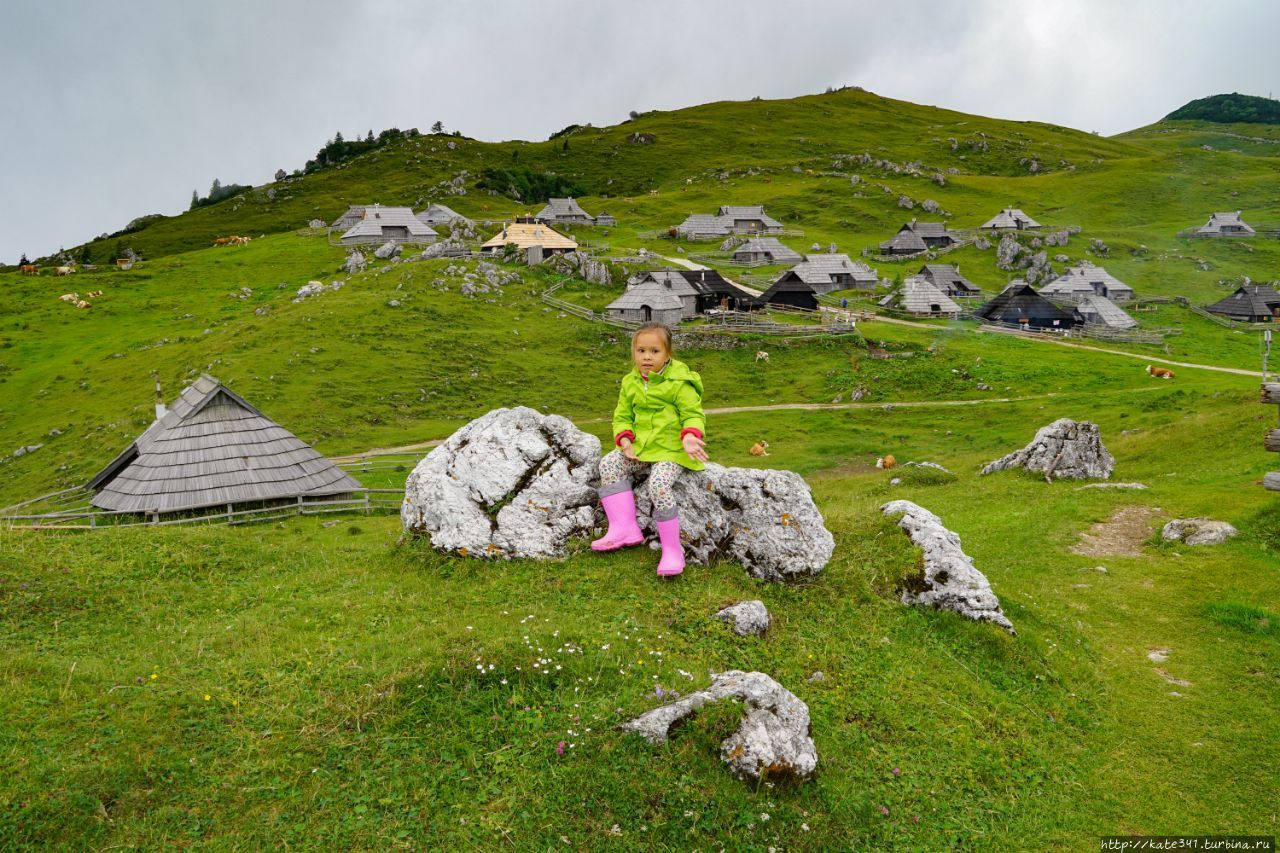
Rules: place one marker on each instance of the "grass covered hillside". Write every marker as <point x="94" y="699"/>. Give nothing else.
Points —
<point x="326" y="684"/>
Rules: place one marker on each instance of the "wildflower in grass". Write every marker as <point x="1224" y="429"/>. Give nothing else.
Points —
<point x="207" y="697"/>
<point x="915" y="818"/>
<point x="897" y="772"/>
<point x="764" y="817"/>
<point x="883" y="810"/>
<point x="560" y="748"/>
<point x="154" y="676"/>
<point x="140" y="681"/>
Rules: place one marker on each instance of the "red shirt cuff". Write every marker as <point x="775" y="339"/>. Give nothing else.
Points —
<point x="688" y="430"/>
<point x="626" y="433"/>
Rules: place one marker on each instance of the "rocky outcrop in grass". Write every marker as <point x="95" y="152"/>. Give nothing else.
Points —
<point x="1066" y="449"/>
<point x="773" y="740"/>
<point x="949" y="579"/>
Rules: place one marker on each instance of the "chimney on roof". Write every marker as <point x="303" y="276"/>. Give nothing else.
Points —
<point x="160" y="409"/>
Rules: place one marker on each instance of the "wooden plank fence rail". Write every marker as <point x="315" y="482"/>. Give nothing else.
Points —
<point x="366" y="500"/>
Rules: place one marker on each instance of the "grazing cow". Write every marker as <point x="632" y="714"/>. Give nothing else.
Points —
<point x="93" y="294"/>
<point x="760" y="448"/>
<point x="761" y="355"/>
<point x="1160" y="372"/>
<point x="886" y="462"/>
<point x="69" y="297"/>
<point x="80" y="303"/>
<point x="223" y="241"/>
<point x="29" y="269"/>
<point x="63" y="270"/>
<point x="124" y="263"/>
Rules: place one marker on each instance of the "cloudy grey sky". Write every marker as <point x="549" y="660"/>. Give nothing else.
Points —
<point x="114" y="110"/>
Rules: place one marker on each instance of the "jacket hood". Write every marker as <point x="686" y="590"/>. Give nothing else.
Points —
<point x="678" y="371"/>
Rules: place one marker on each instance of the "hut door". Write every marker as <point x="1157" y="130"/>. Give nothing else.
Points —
<point x="648" y="313"/>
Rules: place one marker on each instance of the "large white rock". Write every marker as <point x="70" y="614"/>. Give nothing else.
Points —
<point x="1198" y="531"/>
<point x="515" y="483"/>
<point x="764" y="519"/>
<point x="773" y="740"/>
<point x="949" y="580"/>
<point x="1065" y="449"/>
<point x="512" y="483"/>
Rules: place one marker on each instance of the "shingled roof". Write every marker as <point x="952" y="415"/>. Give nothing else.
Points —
<point x="563" y="209"/>
<point x="771" y="248"/>
<point x="439" y="214"/>
<point x="526" y="234"/>
<point x="351" y="216"/>
<point x="1252" y="303"/>
<point x="1020" y="304"/>
<point x="377" y="218"/>
<point x="1101" y="310"/>
<point x="1011" y="217"/>
<point x="947" y="278"/>
<point x="212" y="448"/>
<point x="1224" y="224"/>
<point x="823" y="268"/>
<point x="918" y="295"/>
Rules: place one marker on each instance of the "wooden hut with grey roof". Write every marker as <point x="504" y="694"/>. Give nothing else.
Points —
<point x="350" y="217"/>
<point x="442" y="215"/>
<point x="212" y="448"/>
<point x="766" y="250"/>
<point x="947" y="278"/>
<point x="830" y="272"/>
<point x="564" y="211"/>
<point x="1010" y="219"/>
<point x="1228" y="224"/>
<point x="649" y="300"/>
<point x="380" y="224"/>
<point x="921" y="297"/>
<point x="915" y="237"/>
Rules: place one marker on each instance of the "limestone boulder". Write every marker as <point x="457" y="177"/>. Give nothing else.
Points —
<point x="762" y="518"/>
<point x="949" y="579"/>
<point x="747" y="618"/>
<point x="1065" y="449"/>
<point x="389" y="249"/>
<point x="512" y="483"/>
<point x="1198" y="531"/>
<point x="773" y="740"/>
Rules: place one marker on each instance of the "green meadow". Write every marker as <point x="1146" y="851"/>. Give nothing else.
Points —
<point x="323" y="682"/>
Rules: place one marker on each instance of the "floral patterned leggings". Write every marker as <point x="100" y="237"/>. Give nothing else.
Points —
<point x="615" y="477"/>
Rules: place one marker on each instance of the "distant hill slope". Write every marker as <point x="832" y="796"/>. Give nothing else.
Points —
<point x="1229" y="109"/>
<point x="730" y="137"/>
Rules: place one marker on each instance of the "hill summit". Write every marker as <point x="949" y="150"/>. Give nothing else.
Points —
<point x="1230" y="109"/>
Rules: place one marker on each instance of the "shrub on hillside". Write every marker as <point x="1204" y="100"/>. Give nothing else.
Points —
<point x="524" y="184"/>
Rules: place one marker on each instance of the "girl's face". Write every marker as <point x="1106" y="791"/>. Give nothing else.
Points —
<point x="649" y="351"/>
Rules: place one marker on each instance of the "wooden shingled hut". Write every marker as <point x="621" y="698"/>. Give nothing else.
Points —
<point x="650" y="300"/>
<point x="791" y="291"/>
<point x="1010" y="219"/>
<point x="380" y="224"/>
<point x="212" y="448"/>
<point x="1098" y="310"/>
<point x="767" y="250"/>
<point x="676" y="283"/>
<point x="442" y="215"/>
<point x="1020" y="305"/>
<point x="351" y="216"/>
<point x="830" y="272"/>
<point x="921" y="297"/>
<point x="564" y="211"/>
<point x="915" y="237"/>
<point x="526" y="233"/>
<point x="947" y="278"/>
<point x="716" y="292"/>
<point x="1252" y="303"/>
<point x="1228" y="224"/>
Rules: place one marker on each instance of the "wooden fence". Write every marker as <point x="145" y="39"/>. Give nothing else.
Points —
<point x="83" y="516"/>
<point x="873" y="253"/>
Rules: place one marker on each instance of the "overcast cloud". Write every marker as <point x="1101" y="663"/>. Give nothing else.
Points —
<point x="114" y="110"/>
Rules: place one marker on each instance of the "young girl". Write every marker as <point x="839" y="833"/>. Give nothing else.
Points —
<point x="657" y="424"/>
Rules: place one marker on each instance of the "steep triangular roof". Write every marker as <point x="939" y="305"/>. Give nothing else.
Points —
<point x="905" y="241"/>
<point x="351" y="216"/>
<point x="1020" y="301"/>
<point x="1249" y="303"/>
<point x="657" y="295"/>
<point x="1227" y="220"/>
<point x="212" y="448"/>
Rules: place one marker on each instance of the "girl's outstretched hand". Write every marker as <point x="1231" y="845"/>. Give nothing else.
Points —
<point x="694" y="447"/>
<point x="627" y="450"/>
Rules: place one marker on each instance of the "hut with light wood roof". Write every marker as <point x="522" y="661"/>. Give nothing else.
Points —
<point x="921" y="297"/>
<point x="212" y="448"/>
<point x="526" y="233"/>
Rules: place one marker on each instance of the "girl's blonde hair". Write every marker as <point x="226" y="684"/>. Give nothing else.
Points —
<point x="662" y="329"/>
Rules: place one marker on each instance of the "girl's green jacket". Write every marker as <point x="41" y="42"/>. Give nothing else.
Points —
<point x="658" y="416"/>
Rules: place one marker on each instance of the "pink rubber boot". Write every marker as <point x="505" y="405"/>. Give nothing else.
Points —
<point x="620" y="509"/>
<point x="672" y="562"/>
